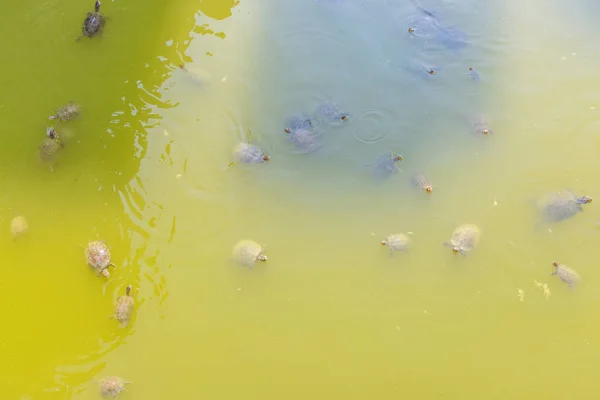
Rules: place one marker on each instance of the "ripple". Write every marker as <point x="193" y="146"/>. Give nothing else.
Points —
<point x="371" y="126"/>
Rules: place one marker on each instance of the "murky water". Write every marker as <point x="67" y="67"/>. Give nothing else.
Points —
<point x="331" y="313"/>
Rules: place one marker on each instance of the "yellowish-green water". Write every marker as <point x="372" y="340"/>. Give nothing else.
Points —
<point x="330" y="314"/>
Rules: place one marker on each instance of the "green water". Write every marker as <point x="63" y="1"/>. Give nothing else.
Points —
<point x="330" y="314"/>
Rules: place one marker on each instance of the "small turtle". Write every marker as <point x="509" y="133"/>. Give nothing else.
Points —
<point x="421" y="182"/>
<point x="67" y="112"/>
<point x="474" y="75"/>
<point x="566" y="274"/>
<point x="396" y="242"/>
<point x="304" y="139"/>
<point x="19" y="226"/>
<point x="93" y="23"/>
<point x="562" y="205"/>
<point x="480" y="126"/>
<point x="124" y="307"/>
<point x="51" y="144"/>
<point x="298" y="122"/>
<point x="248" y="153"/>
<point x="98" y="257"/>
<point x="386" y="165"/>
<point x="112" y="386"/>
<point x="247" y="252"/>
<point x="330" y="112"/>
<point x="464" y="238"/>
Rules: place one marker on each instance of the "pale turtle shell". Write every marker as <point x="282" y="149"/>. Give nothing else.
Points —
<point x="67" y="112"/>
<point x="247" y="252"/>
<point x="125" y="306"/>
<point x="397" y="242"/>
<point x="98" y="256"/>
<point x="567" y="274"/>
<point x="249" y="153"/>
<point x="465" y="237"/>
<point x="112" y="386"/>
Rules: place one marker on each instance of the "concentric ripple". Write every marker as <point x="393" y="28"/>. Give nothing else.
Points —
<point x="371" y="126"/>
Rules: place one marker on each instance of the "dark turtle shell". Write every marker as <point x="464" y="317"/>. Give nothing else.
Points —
<point x="93" y="23"/>
<point x="67" y="112"/>
<point x="51" y="144"/>
<point x="563" y="205"/>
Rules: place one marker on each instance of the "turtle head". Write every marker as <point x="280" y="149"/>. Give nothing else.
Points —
<point x="287" y="130"/>
<point x="398" y="158"/>
<point x="105" y="273"/>
<point x="455" y="249"/>
<point x="266" y="158"/>
<point x="344" y="118"/>
<point x="428" y="188"/>
<point x="431" y="71"/>
<point x="384" y="242"/>
<point x="261" y="257"/>
<point x="51" y="133"/>
<point x="470" y="68"/>
<point x="97" y="5"/>
<point x="411" y="30"/>
<point x="485" y="131"/>
<point x="128" y="290"/>
<point x="555" y="263"/>
<point x="584" y="200"/>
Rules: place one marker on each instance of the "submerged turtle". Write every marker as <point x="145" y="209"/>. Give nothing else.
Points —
<point x="19" y="226"/>
<point x="464" y="238"/>
<point x="247" y="252"/>
<point x="421" y="182"/>
<point x="566" y="274"/>
<point x="474" y="75"/>
<point x="480" y="126"/>
<point x="51" y="144"/>
<point x="67" y="112"/>
<point x="386" y="165"/>
<point x="124" y="307"/>
<point x="248" y="153"/>
<point x="93" y="23"/>
<point x="304" y="139"/>
<point x="98" y="257"/>
<point x="112" y="386"/>
<point x="298" y="122"/>
<point x="331" y="112"/>
<point x="396" y="242"/>
<point x="562" y="205"/>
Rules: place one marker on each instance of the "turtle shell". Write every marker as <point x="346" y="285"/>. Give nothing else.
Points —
<point x="98" y="256"/>
<point x="124" y="307"/>
<point x="331" y="112"/>
<point x="93" y="23"/>
<point x="420" y="181"/>
<point x="50" y="146"/>
<point x="249" y="154"/>
<point x="563" y="205"/>
<point x="397" y="242"/>
<point x="480" y="126"/>
<point x="247" y="252"/>
<point x="465" y="238"/>
<point x="67" y="112"/>
<point x="298" y="122"/>
<point x="304" y="139"/>
<point x="112" y="386"/>
<point x="386" y="165"/>
<point x="566" y="274"/>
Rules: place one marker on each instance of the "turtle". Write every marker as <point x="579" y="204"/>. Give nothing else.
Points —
<point x="562" y="205"/>
<point x="19" y="226"/>
<point x="93" y="23"/>
<point x="248" y="153"/>
<point x="464" y="238"/>
<point x="480" y="126"/>
<point x="124" y="307"/>
<point x="566" y="274"/>
<point x="386" y="164"/>
<point x="420" y="181"/>
<point x="396" y="242"/>
<point x="331" y="112"/>
<point x="112" y="386"/>
<point x="51" y="144"/>
<point x="474" y="75"/>
<point x="304" y="139"/>
<point x="67" y="112"/>
<point x="298" y="122"/>
<point x="247" y="252"/>
<point x="98" y="257"/>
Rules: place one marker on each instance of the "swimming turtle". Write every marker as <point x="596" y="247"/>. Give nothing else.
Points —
<point x="98" y="257"/>
<point x="420" y="181"/>
<point x="19" y="226"/>
<point x="51" y="144"/>
<point x="304" y="139"/>
<point x="562" y="205"/>
<point x="248" y="153"/>
<point x="112" y="386"/>
<point x="247" y="252"/>
<point x="566" y="274"/>
<point x="331" y="112"/>
<point x="464" y="238"/>
<point x="428" y="24"/>
<point x="481" y="126"/>
<point x="67" y="112"/>
<point x="124" y="307"/>
<point x="474" y="74"/>
<point x="298" y="122"/>
<point x="93" y="23"/>
<point x="396" y="242"/>
<point x="386" y="164"/>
